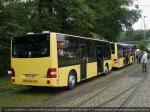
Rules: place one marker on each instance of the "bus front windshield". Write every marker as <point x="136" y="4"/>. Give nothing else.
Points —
<point x="31" y="46"/>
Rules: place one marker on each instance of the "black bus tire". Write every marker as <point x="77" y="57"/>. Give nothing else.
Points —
<point x="71" y="80"/>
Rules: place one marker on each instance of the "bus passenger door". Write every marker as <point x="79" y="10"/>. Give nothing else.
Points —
<point x="99" y="56"/>
<point x="83" y="61"/>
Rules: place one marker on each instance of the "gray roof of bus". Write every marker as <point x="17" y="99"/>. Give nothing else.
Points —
<point x="125" y="44"/>
<point x="83" y="37"/>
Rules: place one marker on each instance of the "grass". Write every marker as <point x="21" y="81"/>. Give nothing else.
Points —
<point x="12" y="95"/>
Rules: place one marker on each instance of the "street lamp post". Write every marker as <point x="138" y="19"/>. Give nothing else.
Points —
<point x="144" y="27"/>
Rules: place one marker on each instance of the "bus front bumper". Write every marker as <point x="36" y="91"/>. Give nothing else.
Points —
<point x="49" y="82"/>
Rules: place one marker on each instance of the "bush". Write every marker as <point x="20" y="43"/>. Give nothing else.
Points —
<point x="4" y="63"/>
<point x="142" y="45"/>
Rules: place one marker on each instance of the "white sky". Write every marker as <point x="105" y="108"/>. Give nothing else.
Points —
<point x="144" y="6"/>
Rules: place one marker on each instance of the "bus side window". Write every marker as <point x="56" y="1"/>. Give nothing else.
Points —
<point x="68" y="50"/>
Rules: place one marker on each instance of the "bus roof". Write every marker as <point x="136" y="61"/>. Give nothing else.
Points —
<point x="126" y="44"/>
<point x="31" y="34"/>
<point x="83" y="37"/>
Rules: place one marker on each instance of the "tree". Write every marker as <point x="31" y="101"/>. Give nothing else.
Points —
<point x="132" y="35"/>
<point x="67" y="16"/>
<point x="112" y="17"/>
<point x="79" y="17"/>
<point x="142" y="45"/>
<point x="85" y="17"/>
<point x="10" y="25"/>
<point x="98" y="18"/>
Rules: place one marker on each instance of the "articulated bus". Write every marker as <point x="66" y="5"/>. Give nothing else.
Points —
<point x="58" y="60"/>
<point x="122" y="54"/>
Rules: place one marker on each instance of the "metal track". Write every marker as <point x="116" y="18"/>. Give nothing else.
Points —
<point x="87" y="92"/>
<point x="136" y="87"/>
<point x="110" y="85"/>
<point x="139" y="85"/>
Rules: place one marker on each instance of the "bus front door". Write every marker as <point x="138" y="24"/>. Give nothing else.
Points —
<point x="99" y="56"/>
<point x="83" y="61"/>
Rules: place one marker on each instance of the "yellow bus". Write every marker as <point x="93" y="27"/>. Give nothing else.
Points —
<point x="122" y="54"/>
<point x="57" y="60"/>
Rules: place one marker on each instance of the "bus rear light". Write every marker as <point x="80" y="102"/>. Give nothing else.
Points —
<point x="11" y="72"/>
<point x="116" y="60"/>
<point x="51" y="73"/>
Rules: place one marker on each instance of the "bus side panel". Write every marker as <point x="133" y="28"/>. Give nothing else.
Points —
<point x="53" y="59"/>
<point x="64" y="72"/>
<point x="53" y="51"/>
<point x="116" y="51"/>
<point x="113" y="57"/>
<point x="91" y="69"/>
<point x="121" y="62"/>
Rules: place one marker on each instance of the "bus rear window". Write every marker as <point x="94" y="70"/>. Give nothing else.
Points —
<point x="31" y="46"/>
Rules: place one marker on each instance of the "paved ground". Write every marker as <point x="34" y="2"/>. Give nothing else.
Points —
<point x="128" y="91"/>
<point x="126" y="87"/>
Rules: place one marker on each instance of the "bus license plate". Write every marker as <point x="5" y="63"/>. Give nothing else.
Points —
<point x="30" y="75"/>
<point x="30" y="81"/>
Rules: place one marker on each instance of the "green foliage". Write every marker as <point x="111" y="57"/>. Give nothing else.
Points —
<point x="132" y="35"/>
<point x="101" y="18"/>
<point x="67" y="16"/>
<point x="79" y="17"/>
<point x="5" y="60"/>
<point x="112" y="17"/>
<point x="142" y="45"/>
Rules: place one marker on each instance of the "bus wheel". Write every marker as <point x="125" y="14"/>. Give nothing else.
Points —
<point x="106" y="69"/>
<point x="71" y="80"/>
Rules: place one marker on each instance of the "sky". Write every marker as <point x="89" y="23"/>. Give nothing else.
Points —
<point x="144" y="6"/>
